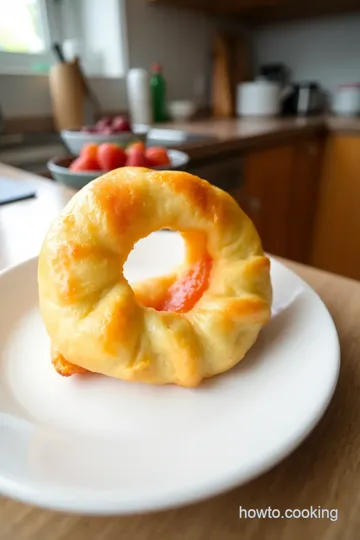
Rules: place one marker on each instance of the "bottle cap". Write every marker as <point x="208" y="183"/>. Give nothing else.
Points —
<point x="156" y="68"/>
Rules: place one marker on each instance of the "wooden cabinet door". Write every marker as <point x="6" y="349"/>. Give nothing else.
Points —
<point x="279" y="194"/>
<point x="219" y="6"/>
<point x="225" y="173"/>
<point x="186" y="4"/>
<point x="337" y="226"/>
<point x="305" y="180"/>
<point x="266" y="193"/>
<point x="277" y="188"/>
<point x="236" y="6"/>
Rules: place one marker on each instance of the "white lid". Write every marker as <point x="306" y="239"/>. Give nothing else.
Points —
<point x="137" y="72"/>
<point x="259" y="83"/>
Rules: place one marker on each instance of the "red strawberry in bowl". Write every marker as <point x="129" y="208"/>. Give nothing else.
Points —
<point x="120" y="123"/>
<point x="110" y="156"/>
<point x="136" y="158"/>
<point x="88" y="129"/>
<point x="103" y="124"/>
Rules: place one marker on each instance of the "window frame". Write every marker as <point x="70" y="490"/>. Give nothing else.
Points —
<point x="54" y="17"/>
<point x="25" y="63"/>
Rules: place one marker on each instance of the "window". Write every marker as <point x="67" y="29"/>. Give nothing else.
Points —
<point x="26" y="31"/>
<point x="21" y="27"/>
<point x="28" y="27"/>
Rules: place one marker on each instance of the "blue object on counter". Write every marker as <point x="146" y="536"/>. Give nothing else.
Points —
<point x="14" y="190"/>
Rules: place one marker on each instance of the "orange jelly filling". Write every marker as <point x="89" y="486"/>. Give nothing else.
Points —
<point x="187" y="290"/>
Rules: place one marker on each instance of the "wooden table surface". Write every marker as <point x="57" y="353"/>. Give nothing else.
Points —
<point x="324" y="471"/>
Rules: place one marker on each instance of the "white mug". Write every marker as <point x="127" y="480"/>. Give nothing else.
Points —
<point x="258" y="98"/>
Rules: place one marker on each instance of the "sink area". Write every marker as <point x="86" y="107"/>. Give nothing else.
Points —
<point x="156" y="136"/>
<point x="32" y="151"/>
<point x="174" y="137"/>
<point x="16" y="140"/>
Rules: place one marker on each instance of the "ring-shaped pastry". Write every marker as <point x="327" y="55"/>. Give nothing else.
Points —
<point x="181" y="328"/>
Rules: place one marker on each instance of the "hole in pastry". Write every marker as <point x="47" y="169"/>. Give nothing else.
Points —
<point x="161" y="279"/>
<point x="155" y="255"/>
<point x="167" y="273"/>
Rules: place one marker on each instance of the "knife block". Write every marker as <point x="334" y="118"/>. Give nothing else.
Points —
<point x="68" y="96"/>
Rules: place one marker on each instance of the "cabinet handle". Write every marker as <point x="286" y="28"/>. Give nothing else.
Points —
<point x="250" y="204"/>
<point x="254" y="203"/>
<point x="312" y="149"/>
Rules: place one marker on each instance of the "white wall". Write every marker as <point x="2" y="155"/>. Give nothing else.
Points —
<point x="28" y="95"/>
<point x="180" y="40"/>
<point x="69" y="14"/>
<point x="327" y="50"/>
<point x="24" y="95"/>
<point x="104" y="42"/>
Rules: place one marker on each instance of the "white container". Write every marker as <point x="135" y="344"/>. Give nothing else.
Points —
<point x="182" y="110"/>
<point x="259" y="98"/>
<point x="139" y="99"/>
<point x="346" y="101"/>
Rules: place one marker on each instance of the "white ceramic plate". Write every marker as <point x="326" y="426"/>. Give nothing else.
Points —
<point x="99" y="445"/>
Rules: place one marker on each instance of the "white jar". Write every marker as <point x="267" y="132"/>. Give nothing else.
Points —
<point x="346" y="100"/>
<point x="259" y="98"/>
<point x="138" y="92"/>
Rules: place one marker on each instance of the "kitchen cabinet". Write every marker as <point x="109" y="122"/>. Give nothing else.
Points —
<point x="305" y="181"/>
<point x="227" y="6"/>
<point x="279" y="193"/>
<point x="264" y="11"/>
<point x="265" y="195"/>
<point x="186" y="4"/>
<point x="224" y="172"/>
<point x="277" y="187"/>
<point x="337" y="225"/>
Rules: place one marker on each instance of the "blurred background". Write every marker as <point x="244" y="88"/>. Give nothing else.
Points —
<point x="262" y="97"/>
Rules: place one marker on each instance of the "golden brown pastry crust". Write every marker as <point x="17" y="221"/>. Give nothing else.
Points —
<point x="95" y="319"/>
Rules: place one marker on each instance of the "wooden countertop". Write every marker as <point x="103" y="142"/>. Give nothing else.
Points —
<point x="23" y="224"/>
<point x="338" y="124"/>
<point x="235" y="134"/>
<point x="324" y="471"/>
<point x="230" y="135"/>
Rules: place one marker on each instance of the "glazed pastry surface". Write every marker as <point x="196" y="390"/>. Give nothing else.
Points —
<point x="180" y="328"/>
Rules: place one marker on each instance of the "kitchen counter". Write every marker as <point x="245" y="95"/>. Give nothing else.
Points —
<point x="337" y="124"/>
<point x="22" y="224"/>
<point x="235" y="134"/>
<point x="324" y="471"/>
<point x="31" y="151"/>
<point x="221" y="136"/>
<point x="232" y="134"/>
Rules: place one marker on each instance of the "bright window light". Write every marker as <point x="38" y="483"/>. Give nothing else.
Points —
<point x="21" y="28"/>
